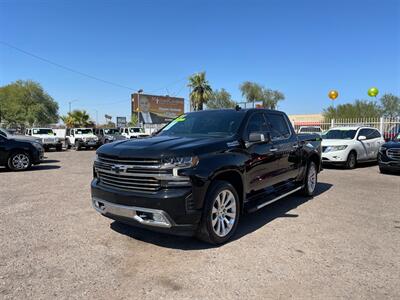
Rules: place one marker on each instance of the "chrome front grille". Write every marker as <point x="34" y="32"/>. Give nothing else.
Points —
<point x="393" y="153"/>
<point x="128" y="182"/>
<point x="131" y="174"/>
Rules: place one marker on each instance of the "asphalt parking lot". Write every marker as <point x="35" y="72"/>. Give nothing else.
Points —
<point x="342" y="243"/>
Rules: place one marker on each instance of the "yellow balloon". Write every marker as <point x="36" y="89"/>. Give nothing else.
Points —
<point x="333" y="94"/>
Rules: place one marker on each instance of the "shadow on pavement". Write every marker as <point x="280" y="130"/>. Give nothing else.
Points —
<point x="248" y="223"/>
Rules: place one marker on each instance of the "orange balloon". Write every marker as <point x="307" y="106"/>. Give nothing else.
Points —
<point x="333" y="94"/>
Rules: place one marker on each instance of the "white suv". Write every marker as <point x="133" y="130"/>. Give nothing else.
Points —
<point x="81" y="138"/>
<point x="349" y="145"/>
<point x="46" y="136"/>
<point x="132" y="132"/>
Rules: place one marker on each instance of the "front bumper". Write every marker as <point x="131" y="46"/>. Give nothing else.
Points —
<point x="89" y="143"/>
<point x="334" y="157"/>
<point x="388" y="163"/>
<point x="164" y="211"/>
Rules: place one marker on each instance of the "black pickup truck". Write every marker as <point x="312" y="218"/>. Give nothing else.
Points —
<point x="203" y="170"/>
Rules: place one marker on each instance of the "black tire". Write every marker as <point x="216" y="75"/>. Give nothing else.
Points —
<point x="206" y="231"/>
<point x="19" y="161"/>
<point x="77" y="145"/>
<point x="383" y="170"/>
<point x="351" y="161"/>
<point x="310" y="180"/>
<point x="59" y="147"/>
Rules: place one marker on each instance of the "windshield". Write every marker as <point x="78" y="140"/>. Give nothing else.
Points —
<point x="111" y="131"/>
<point x="310" y="129"/>
<point x="84" y="131"/>
<point x="134" y="130"/>
<point x="397" y="138"/>
<point x="216" y="123"/>
<point x="43" y="131"/>
<point x="336" y="134"/>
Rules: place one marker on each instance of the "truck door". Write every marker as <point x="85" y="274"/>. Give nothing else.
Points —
<point x="3" y="150"/>
<point x="262" y="165"/>
<point x="285" y="145"/>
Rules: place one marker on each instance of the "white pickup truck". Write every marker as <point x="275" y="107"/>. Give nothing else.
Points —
<point x="81" y="138"/>
<point x="132" y="132"/>
<point x="46" y="136"/>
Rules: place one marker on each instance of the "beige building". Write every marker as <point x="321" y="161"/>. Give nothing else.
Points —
<point x="311" y="118"/>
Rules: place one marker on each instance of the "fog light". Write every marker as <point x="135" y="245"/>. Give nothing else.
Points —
<point x="159" y="218"/>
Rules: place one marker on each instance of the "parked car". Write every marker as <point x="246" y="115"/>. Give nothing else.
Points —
<point x="19" y="155"/>
<point x="349" y="145"/>
<point x="8" y="134"/>
<point x="133" y="132"/>
<point x="389" y="156"/>
<point x="108" y="135"/>
<point x="310" y="129"/>
<point x="202" y="170"/>
<point x="47" y="137"/>
<point x="81" y="138"/>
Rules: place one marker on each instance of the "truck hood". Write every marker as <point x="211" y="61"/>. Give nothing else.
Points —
<point x="333" y="142"/>
<point x="159" y="146"/>
<point x="25" y="138"/>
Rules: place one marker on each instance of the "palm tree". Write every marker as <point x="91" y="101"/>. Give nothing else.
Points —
<point x="200" y="90"/>
<point x="77" y="118"/>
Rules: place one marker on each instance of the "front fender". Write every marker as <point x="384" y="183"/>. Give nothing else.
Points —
<point x="209" y="168"/>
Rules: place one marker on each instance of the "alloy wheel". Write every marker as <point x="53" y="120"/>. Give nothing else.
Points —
<point x="20" y="161"/>
<point x="223" y="214"/>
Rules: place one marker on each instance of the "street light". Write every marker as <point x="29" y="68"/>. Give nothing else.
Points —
<point x="69" y="104"/>
<point x="138" y="101"/>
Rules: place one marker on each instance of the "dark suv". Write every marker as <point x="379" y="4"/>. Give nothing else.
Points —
<point x="202" y="170"/>
<point x="19" y="155"/>
<point x="389" y="156"/>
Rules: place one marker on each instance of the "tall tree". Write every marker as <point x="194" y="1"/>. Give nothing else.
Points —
<point x="358" y="109"/>
<point x="253" y="91"/>
<point x="200" y="90"/>
<point x="26" y="103"/>
<point x="220" y="99"/>
<point x="390" y="105"/>
<point x="77" y="118"/>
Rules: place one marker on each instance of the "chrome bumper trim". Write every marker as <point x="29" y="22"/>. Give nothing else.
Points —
<point x="163" y="219"/>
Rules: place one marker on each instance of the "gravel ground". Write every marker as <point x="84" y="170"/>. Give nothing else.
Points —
<point x="343" y="243"/>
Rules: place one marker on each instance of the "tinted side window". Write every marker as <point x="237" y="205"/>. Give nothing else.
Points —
<point x="376" y="134"/>
<point x="278" y="125"/>
<point x="368" y="133"/>
<point x="256" y="123"/>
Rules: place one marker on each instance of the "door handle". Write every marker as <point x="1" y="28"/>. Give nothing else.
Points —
<point x="273" y="149"/>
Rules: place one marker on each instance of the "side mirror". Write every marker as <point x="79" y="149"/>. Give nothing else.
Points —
<point x="362" y="138"/>
<point x="257" y="137"/>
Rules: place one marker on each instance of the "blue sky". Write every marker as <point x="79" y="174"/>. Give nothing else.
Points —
<point x="303" y="48"/>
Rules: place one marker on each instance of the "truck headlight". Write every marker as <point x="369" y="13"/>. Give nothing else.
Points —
<point x="382" y="149"/>
<point x="335" y="148"/>
<point x="179" y="162"/>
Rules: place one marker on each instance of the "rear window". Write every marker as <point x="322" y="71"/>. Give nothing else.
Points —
<point x="310" y="129"/>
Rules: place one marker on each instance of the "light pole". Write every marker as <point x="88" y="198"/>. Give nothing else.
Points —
<point x="69" y="104"/>
<point x="138" y="101"/>
<point x="97" y="117"/>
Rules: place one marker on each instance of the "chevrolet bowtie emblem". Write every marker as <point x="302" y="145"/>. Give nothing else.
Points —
<point x="118" y="169"/>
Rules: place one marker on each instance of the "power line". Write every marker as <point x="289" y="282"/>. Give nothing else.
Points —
<point x="65" y="67"/>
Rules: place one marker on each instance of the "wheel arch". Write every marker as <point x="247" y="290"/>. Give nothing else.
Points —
<point x="235" y="178"/>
